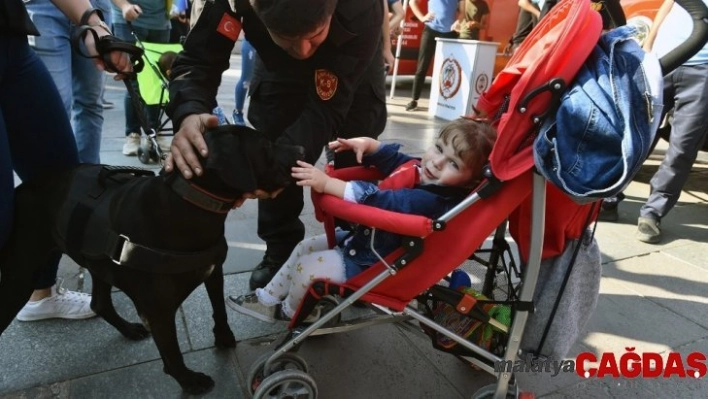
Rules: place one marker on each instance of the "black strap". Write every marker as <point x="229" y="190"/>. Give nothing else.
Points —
<point x="87" y="14"/>
<point x="104" y="46"/>
<point x="124" y="252"/>
<point x="189" y="192"/>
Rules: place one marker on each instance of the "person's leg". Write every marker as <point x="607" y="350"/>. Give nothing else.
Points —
<point x="132" y="122"/>
<point x="690" y="126"/>
<point x="87" y="108"/>
<point x="326" y="265"/>
<point x="53" y="46"/>
<point x="425" y="55"/>
<point x="105" y="7"/>
<point x="153" y="111"/>
<point x="248" y="56"/>
<point x="37" y="145"/>
<point x="279" y="222"/>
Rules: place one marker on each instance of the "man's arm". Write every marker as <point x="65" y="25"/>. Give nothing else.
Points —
<point x="658" y="21"/>
<point x="196" y="73"/>
<point x="418" y="13"/>
<point x="194" y="81"/>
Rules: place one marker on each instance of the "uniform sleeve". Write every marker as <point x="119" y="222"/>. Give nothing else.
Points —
<point x="338" y="70"/>
<point x="196" y="73"/>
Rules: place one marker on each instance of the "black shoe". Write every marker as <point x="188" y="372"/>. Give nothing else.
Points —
<point x="264" y="272"/>
<point x="412" y="105"/>
<point x="608" y="214"/>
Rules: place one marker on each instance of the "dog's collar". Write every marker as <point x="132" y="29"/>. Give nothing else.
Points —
<point x="199" y="197"/>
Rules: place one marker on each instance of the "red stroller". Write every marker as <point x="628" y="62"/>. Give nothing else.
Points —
<point x="401" y="285"/>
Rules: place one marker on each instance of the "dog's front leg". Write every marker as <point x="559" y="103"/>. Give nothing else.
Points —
<point x="164" y="332"/>
<point x="223" y="336"/>
<point x="102" y="304"/>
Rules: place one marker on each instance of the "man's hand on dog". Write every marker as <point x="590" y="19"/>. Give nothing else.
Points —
<point x="190" y="136"/>
<point x="182" y="155"/>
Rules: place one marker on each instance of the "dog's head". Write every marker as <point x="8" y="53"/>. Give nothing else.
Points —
<point x="245" y="159"/>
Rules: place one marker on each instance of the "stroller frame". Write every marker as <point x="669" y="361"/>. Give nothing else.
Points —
<point x="149" y="149"/>
<point x="268" y="374"/>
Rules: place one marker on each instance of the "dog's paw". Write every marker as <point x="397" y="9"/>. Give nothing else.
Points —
<point x="135" y="331"/>
<point x="195" y="383"/>
<point x="224" y="338"/>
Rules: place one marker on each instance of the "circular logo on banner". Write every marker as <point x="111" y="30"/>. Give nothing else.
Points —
<point x="481" y="83"/>
<point x="450" y="78"/>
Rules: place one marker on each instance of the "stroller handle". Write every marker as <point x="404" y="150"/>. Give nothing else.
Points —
<point x="698" y="38"/>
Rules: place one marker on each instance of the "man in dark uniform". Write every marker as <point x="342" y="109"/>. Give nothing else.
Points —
<point x="319" y="75"/>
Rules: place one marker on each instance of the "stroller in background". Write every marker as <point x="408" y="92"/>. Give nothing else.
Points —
<point x="404" y="286"/>
<point x="152" y="85"/>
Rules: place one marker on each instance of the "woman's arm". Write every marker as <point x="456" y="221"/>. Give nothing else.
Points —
<point x="394" y="24"/>
<point x="528" y="6"/>
<point x="658" y="21"/>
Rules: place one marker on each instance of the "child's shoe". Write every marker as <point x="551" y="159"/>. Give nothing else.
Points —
<point x="61" y="304"/>
<point x="249" y="305"/>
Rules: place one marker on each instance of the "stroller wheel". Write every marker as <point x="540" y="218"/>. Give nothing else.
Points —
<point x="144" y="153"/>
<point x="326" y="304"/>
<point x="287" y="384"/>
<point x="488" y="391"/>
<point x="286" y="362"/>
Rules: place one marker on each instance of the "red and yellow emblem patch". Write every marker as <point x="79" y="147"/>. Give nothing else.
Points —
<point x="325" y="83"/>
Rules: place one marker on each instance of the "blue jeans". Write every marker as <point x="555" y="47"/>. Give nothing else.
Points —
<point x="152" y="112"/>
<point x="248" y="58"/>
<point x="35" y="133"/>
<point x="80" y="84"/>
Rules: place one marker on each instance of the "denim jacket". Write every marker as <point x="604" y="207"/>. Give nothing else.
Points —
<point x="425" y="200"/>
<point x="606" y="122"/>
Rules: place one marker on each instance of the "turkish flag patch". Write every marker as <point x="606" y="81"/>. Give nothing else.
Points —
<point x="229" y="27"/>
<point x="325" y="83"/>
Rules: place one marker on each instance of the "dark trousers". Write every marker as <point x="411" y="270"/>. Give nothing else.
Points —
<point x="524" y="25"/>
<point x="685" y="90"/>
<point x="425" y="55"/>
<point x="278" y="101"/>
<point x="35" y="132"/>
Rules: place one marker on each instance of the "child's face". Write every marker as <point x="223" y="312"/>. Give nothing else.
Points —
<point x="442" y="166"/>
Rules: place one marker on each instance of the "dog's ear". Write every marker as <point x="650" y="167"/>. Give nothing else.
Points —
<point x="229" y="160"/>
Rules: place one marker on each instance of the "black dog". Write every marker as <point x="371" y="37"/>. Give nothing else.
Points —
<point x="154" y="237"/>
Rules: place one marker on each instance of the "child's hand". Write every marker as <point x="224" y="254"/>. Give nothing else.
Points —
<point x="360" y="145"/>
<point x="308" y="175"/>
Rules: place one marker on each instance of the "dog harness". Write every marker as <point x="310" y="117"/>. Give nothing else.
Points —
<point x="85" y="230"/>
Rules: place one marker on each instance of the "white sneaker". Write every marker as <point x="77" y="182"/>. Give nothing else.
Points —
<point x="164" y="142"/>
<point x="61" y="304"/>
<point x="132" y="143"/>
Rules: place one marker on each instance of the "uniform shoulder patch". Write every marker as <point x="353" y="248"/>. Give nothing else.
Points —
<point x="229" y="27"/>
<point x="325" y="83"/>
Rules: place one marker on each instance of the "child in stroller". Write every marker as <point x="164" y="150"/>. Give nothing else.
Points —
<point x="165" y="63"/>
<point x="430" y="186"/>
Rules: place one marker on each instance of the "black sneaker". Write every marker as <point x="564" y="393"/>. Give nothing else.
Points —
<point x="264" y="272"/>
<point x="411" y="106"/>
